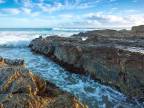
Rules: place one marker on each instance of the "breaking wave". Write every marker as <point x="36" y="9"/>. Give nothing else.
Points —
<point x="87" y="90"/>
<point x="13" y="39"/>
<point x="20" y="39"/>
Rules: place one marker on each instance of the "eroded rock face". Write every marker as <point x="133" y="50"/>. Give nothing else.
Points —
<point x="100" y="58"/>
<point x="138" y="30"/>
<point x="19" y="88"/>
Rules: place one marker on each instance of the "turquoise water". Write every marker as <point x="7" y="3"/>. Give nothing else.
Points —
<point x="13" y="44"/>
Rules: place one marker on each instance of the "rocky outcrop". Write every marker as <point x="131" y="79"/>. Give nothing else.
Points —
<point x="20" y="88"/>
<point x="138" y="30"/>
<point x="99" y="57"/>
<point x="104" y="33"/>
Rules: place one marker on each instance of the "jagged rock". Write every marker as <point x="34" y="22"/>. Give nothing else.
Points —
<point x="138" y="30"/>
<point x="99" y="57"/>
<point x="20" y="88"/>
<point x="14" y="62"/>
<point x="104" y="33"/>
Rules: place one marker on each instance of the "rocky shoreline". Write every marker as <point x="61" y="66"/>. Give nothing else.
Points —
<point x="105" y="55"/>
<point x="20" y="88"/>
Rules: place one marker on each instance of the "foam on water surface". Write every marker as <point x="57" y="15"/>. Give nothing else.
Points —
<point x="22" y="39"/>
<point x="14" y="45"/>
<point x="12" y="39"/>
<point x="87" y="90"/>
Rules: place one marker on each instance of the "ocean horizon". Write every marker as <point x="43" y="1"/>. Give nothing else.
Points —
<point x="71" y="53"/>
<point x="14" y="44"/>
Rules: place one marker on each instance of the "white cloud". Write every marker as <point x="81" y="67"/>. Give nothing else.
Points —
<point x="103" y="18"/>
<point x="91" y="20"/>
<point x="26" y="10"/>
<point x="136" y="19"/>
<point x="16" y="11"/>
<point x="115" y="20"/>
<point x="26" y="3"/>
<point x="12" y="11"/>
<point x="57" y="5"/>
<point x="50" y="8"/>
<point x="44" y="11"/>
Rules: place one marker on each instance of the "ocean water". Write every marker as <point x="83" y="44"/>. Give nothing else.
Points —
<point x="13" y="44"/>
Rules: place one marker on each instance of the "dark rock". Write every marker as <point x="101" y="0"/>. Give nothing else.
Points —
<point x="104" y="33"/>
<point x="20" y="88"/>
<point x="99" y="57"/>
<point x="14" y="62"/>
<point x="138" y="31"/>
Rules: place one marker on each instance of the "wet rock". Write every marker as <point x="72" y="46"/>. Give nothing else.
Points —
<point x="107" y="103"/>
<point x="20" y="88"/>
<point x="99" y="57"/>
<point x="14" y="62"/>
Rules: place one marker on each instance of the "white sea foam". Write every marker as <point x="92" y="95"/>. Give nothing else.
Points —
<point x="16" y="39"/>
<point x="74" y="29"/>
<point x="84" y="88"/>
<point x="84" y="38"/>
<point x="23" y="38"/>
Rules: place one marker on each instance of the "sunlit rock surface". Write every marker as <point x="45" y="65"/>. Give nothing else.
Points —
<point x="20" y="88"/>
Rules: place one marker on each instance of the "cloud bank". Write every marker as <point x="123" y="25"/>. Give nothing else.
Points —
<point x="71" y="13"/>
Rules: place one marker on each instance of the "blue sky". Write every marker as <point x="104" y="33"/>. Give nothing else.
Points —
<point x="71" y="13"/>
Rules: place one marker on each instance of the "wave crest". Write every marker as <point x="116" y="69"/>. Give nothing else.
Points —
<point x="16" y="39"/>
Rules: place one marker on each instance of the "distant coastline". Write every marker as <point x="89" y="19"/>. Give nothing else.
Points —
<point x="59" y="28"/>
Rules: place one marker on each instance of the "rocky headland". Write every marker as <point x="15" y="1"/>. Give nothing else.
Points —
<point x="20" y="88"/>
<point x="112" y="57"/>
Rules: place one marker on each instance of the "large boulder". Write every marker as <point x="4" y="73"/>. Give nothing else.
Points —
<point x="20" y="88"/>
